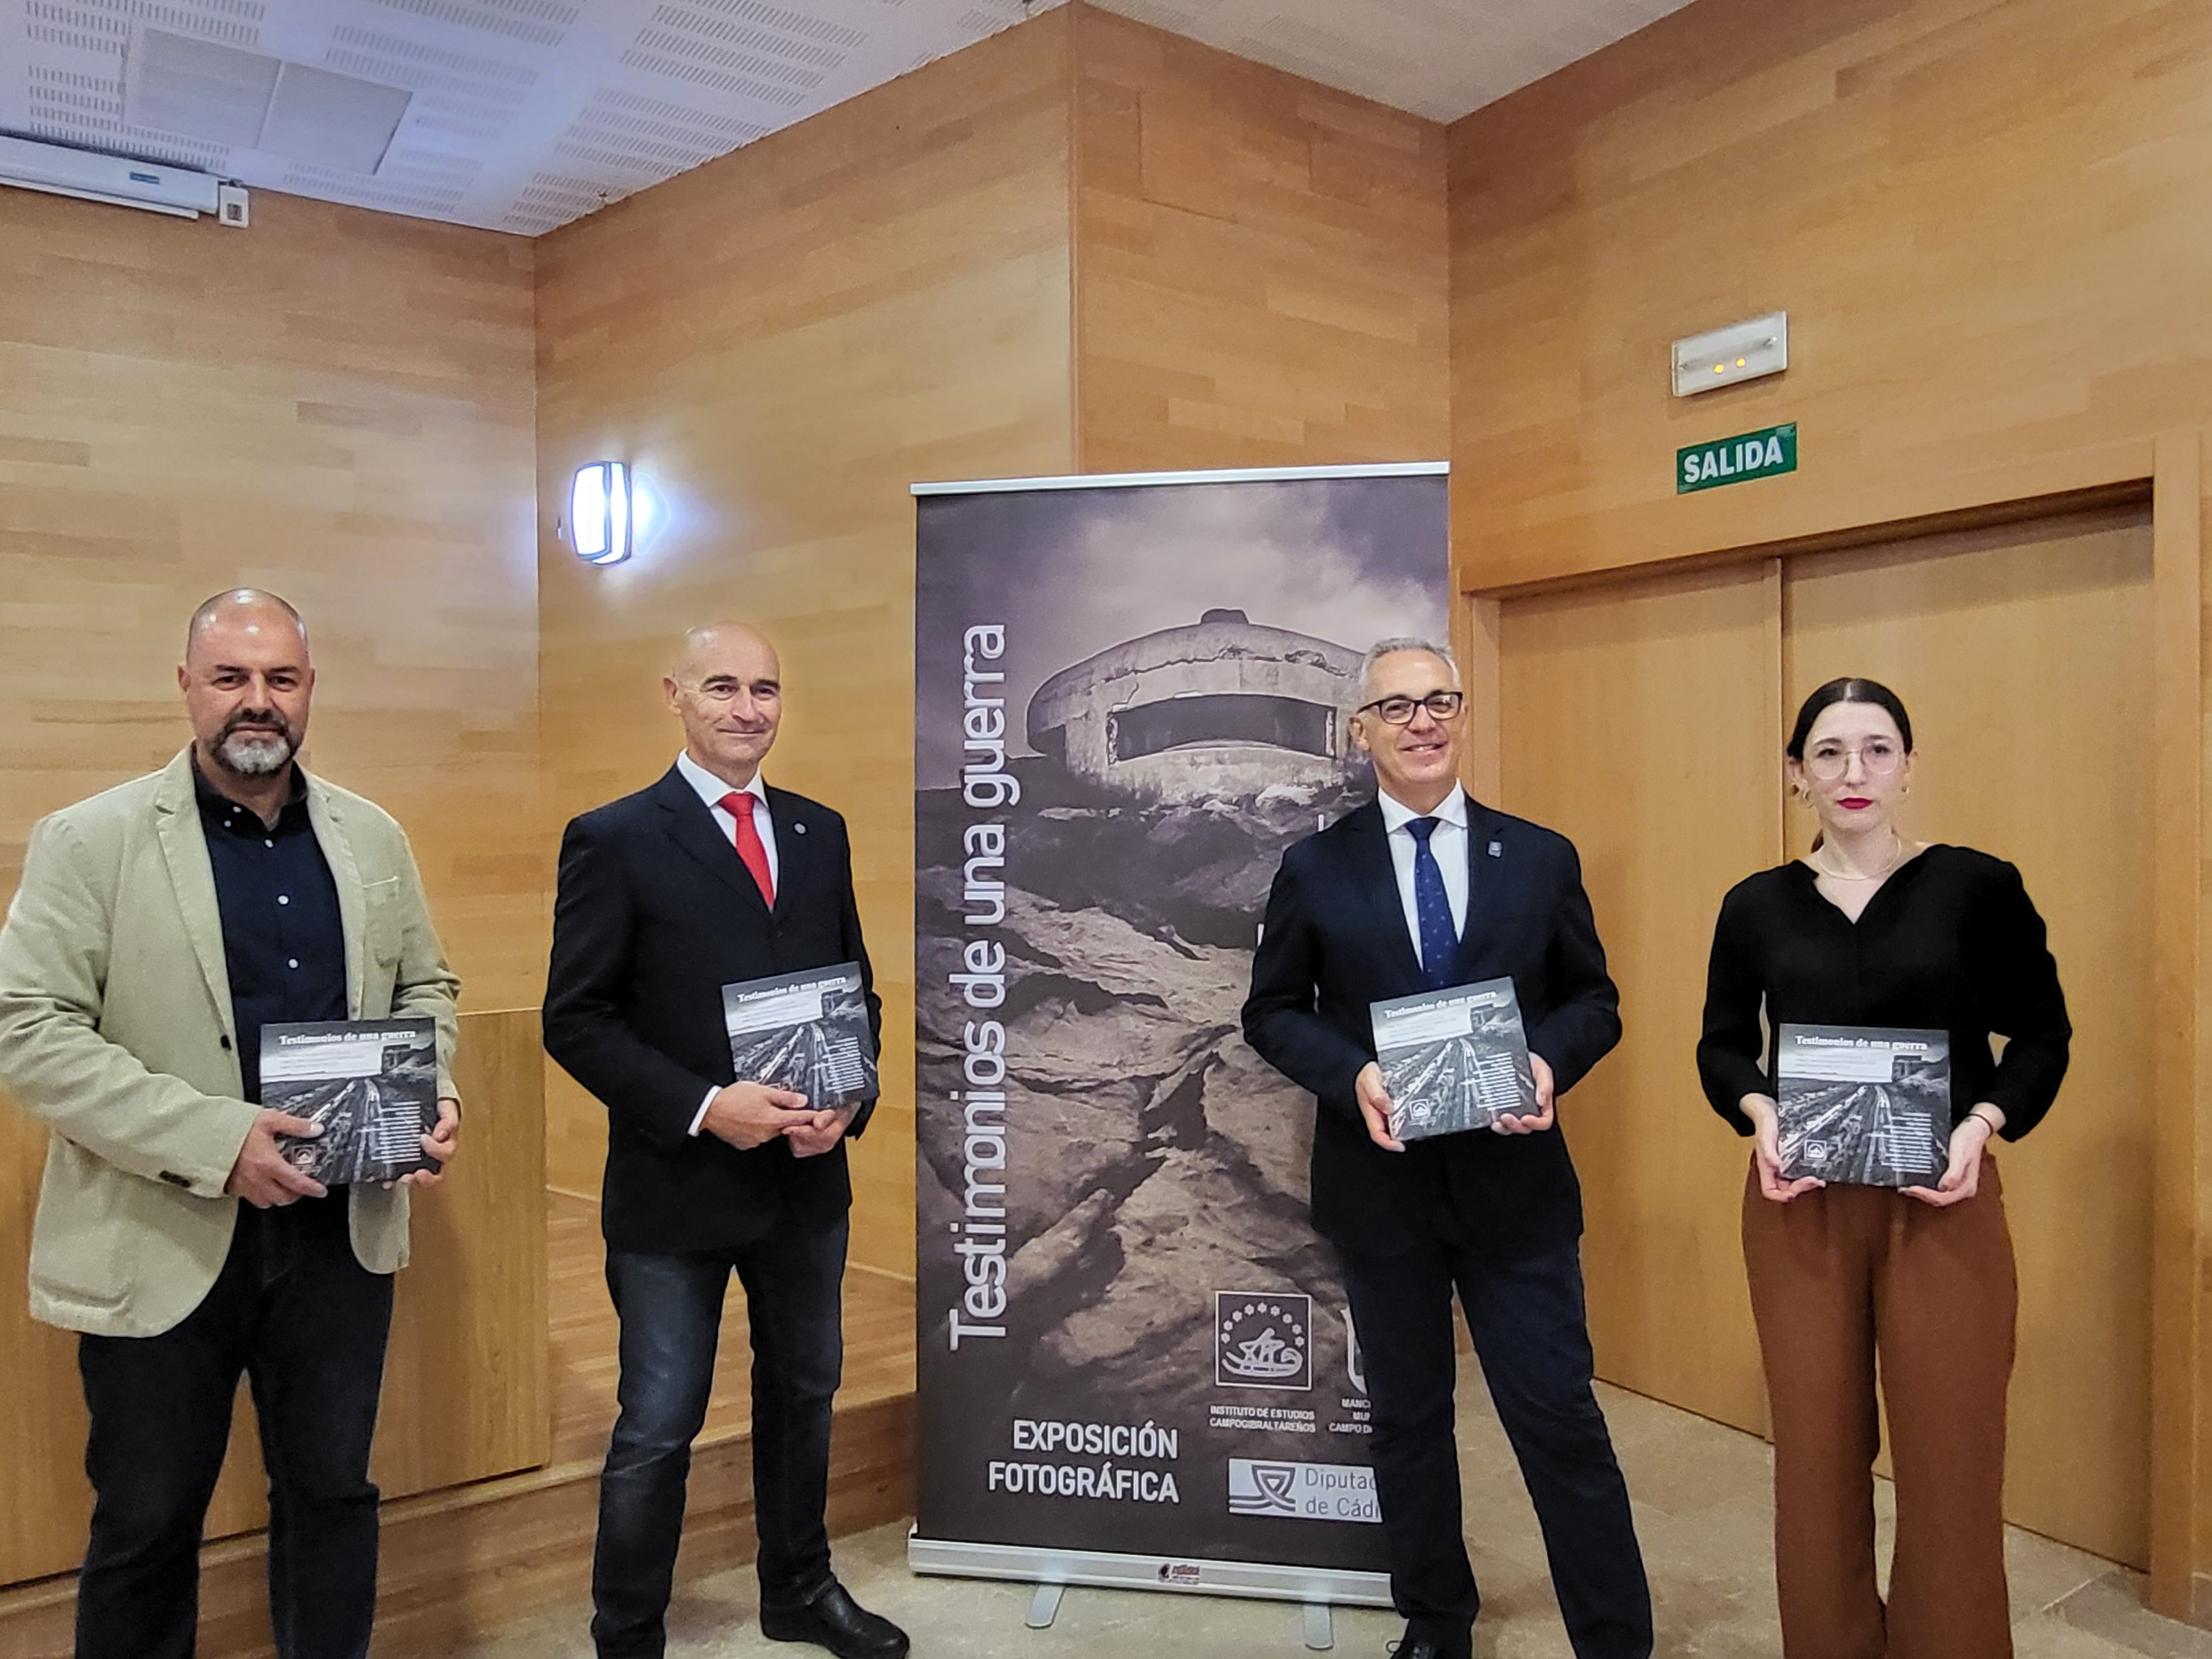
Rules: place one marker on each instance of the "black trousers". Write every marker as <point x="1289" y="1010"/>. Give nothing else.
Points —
<point x="306" y="1324"/>
<point x="1530" y="1333"/>
<point x="671" y="1308"/>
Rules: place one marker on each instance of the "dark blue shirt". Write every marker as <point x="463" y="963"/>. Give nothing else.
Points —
<point x="283" y="937"/>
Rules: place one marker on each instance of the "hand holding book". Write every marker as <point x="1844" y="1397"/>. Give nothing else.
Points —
<point x="747" y="1115"/>
<point x="1962" y="1176"/>
<point x="1766" y="1152"/>
<point x="1374" y="1102"/>
<point x="262" y="1176"/>
<point x="1529" y="1123"/>
<point x="826" y="1129"/>
<point x="438" y="1147"/>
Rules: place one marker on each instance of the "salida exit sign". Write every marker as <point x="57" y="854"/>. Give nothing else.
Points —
<point x="1763" y="454"/>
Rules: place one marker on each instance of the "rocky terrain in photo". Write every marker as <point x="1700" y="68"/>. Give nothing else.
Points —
<point x="1153" y="1159"/>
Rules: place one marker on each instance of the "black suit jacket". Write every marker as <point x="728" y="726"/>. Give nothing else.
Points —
<point x="1336" y="941"/>
<point x="655" y="914"/>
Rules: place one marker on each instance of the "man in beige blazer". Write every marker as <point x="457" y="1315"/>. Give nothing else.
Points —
<point x="159" y="925"/>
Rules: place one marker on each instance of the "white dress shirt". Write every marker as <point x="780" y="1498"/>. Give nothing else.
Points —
<point x="1448" y="841"/>
<point x="711" y="790"/>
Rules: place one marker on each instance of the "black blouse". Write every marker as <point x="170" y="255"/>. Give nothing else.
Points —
<point x="1950" y="941"/>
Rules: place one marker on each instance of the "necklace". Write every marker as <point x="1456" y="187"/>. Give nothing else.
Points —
<point x="1896" y="857"/>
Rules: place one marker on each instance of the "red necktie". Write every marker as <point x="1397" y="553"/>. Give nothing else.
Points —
<point x="739" y="804"/>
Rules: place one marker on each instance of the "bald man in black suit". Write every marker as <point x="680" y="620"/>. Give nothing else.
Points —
<point x="707" y="878"/>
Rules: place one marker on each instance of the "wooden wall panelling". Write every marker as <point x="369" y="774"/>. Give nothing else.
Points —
<point x="2025" y="655"/>
<point x="2178" y="1389"/>
<point x="1262" y="263"/>
<point x="1983" y="220"/>
<point x="465" y="1393"/>
<point x="782" y="342"/>
<point x="1640" y="720"/>
<point x="42" y="1418"/>
<point x="336" y="405"/>
<point x="1476" y="622"/>
<point x="468" y="1391"/>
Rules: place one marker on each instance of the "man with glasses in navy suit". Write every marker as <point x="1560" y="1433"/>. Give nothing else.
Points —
<point x="1422" y="888"/>
<point x="707" y="878"/>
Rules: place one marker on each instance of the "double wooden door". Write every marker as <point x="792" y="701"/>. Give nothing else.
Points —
<point x="1645" y="720"/>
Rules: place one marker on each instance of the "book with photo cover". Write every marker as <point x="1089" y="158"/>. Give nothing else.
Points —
<point x="1870" y="1106"/>
<point x="807" y="1031"/>
<point x="372" y="1083"/>
<point x="1453" y="1060"/>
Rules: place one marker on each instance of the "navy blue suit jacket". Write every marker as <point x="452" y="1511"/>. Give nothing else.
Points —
<point x="655" y="914"/>
<point x="1335" y="940"/>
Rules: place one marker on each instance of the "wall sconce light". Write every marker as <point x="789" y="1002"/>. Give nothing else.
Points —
<point x="1727" y="356"/>
<point x="600" y="519"/>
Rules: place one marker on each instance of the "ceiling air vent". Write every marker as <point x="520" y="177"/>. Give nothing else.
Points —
<point x="247" y="100"/>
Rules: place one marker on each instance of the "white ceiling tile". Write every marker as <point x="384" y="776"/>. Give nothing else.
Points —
<point x="327" y="120"/>
<point x="198" y="89"/>
<point x="526" y="113"/>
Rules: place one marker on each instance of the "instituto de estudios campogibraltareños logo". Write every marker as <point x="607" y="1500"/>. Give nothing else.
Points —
<point x="1262" y="1339"/>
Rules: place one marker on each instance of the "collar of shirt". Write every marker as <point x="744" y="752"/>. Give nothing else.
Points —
<point x="1396" y="815"/>
<point x="710" y="788"/>
<point x="224" y="813"/>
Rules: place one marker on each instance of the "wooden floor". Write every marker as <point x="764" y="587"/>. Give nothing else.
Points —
<point x="457" y="1564"/>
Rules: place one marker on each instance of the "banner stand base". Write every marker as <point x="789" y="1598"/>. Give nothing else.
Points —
<point x="1318" y="1588"/>
<point x="1044" y="1606"/>
<point x="1320" y="1628"/>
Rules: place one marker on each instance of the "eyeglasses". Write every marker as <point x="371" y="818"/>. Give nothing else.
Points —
<point x="1878" y="759"/>
<point x="727" y="691"/>
<point x="1398" y="711"/>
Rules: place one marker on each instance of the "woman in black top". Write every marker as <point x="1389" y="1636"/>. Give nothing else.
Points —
<point x="1872" y="930"/>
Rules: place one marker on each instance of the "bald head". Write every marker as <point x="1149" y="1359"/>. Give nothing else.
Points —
<point x="712" y="641"/>
<point x="250" y="609"/>
<point x="726" y="686"/>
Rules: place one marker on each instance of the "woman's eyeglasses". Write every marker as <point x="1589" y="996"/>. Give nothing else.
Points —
<point x="1877" y="759"/>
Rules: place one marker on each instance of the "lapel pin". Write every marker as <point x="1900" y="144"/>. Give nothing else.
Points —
<point x="797" y="828"/>
<point x="1497" y="849"/>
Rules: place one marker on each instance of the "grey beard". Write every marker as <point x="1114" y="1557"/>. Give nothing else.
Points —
<point x="251" y="755"/>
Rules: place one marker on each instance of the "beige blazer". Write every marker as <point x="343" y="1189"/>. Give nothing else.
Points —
<point x="115" y="1028"/>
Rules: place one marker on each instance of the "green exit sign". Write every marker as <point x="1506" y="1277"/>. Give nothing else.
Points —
<point x="1766" y="454"/>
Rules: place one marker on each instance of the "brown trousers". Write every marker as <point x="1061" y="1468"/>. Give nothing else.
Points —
<point x="1839" y="1277"/>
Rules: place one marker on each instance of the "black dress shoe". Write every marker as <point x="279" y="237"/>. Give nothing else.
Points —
<point x="1411" y="1646"/>
<point x="834" y="1621"/>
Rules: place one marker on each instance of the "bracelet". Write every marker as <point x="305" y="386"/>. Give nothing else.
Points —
<point x="1978" y="1113"/>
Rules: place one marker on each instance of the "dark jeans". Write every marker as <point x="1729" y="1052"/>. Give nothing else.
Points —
<point x="671" y="1308"/>
<point x="1529" y="1331"/>
<point x="306" y="1323"/>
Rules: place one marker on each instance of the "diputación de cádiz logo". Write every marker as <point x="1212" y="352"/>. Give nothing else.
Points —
<point x="1257" y="1488"/>
<point x="1262" y="1339"/>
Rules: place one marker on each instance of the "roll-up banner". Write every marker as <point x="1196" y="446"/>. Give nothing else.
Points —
<point x="1137" y="1365"/>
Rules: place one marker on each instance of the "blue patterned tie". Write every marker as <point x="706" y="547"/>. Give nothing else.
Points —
<point x="1432" y="908"/>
